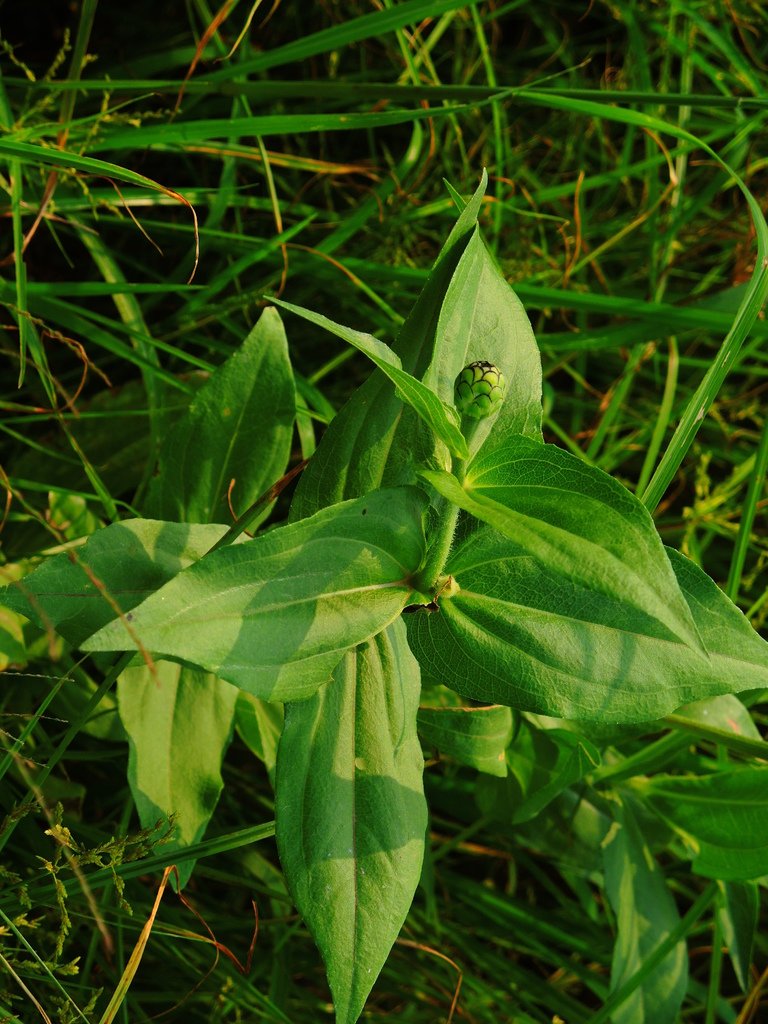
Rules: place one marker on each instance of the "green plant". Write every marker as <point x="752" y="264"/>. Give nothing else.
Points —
<point x="531" y="580"/>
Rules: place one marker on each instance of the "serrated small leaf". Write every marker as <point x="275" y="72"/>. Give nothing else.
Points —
<point x="274" y="615"/>
<point x="351" y="814"/>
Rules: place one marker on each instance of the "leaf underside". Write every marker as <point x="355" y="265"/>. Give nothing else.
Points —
<point x="351" y="814"/>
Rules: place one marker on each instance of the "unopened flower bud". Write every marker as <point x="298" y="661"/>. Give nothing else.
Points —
<point x="479" y="390"/>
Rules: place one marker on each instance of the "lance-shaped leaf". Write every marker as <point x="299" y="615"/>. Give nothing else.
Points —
<point x="577" y="521"/>
<point x="351" y="814"/>
<point x="179" y="724"/>
<point x="239" y="427"/>
<point x="724" y="817"/>
<point x="477" y="737"/>
<point x="645" y="915"/>
<point x="275" y="615"/>
<point x="519" y="632"/>
<point x="441" y="417"/>
<point x="80" y="591"/>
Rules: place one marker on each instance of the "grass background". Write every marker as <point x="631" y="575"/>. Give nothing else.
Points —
<point x="310" y="142"/>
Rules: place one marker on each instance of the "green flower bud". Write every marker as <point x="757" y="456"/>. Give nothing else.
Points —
<point x="479" y="390"/>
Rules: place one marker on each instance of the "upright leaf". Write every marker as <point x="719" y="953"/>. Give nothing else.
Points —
<point x="275" y="615"/>
<point x="645" y="915"/>
<point x="374" y="440"/>
<point x="351" y="814"/>
<point x="482" y="318"/>
<point x="238" y="428"/>
<point x="179" y="723"/>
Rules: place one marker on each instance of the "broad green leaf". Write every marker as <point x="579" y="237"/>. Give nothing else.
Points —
<point x="645" y="915"/>
<point x="519" y="632"/>
<point x="179" y="724"/>
<point x="441" y="417"/>
<point x="259" y="724"/>
<point x="574" y="519"/>
<point x="477" y="737"/>
<point x="351" y="814"/>
<point x="723" y="817"/>
<point x="274" y="615"/>
<point x="374" y="441"/>
<point x="542" y="763"/>
<point x="739" y="912"/>
<point x="239" y="427"/>
<point x="79" y="591"/>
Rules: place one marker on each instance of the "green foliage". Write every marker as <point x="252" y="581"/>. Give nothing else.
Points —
<point x="568" y="607"/>
<point x="559" y="851"/>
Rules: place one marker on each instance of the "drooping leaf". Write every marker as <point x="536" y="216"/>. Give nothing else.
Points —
<point x="476" y="736"/>
<point x="579" y="522"/>
<point x="739" y="912"/>
<point x="351" y="814"/>
<point x="80" y="591"/>
<point x="179" y="723"/>
<point x="645" y="915"/>
<point x="541" y="764"/>
<point x="723" y="816"/>
<point x="275" y="615"/>
<point x="238" y="428"/>
<point x="441" y="417"/>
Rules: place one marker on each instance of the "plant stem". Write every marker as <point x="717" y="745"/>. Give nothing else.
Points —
<point x="439" y="549"/>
